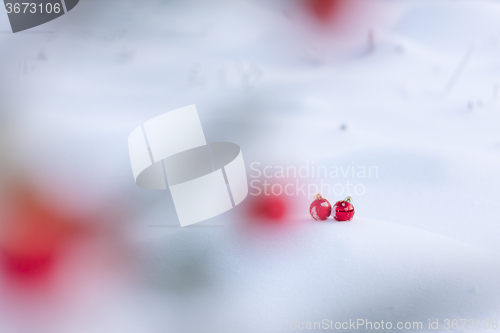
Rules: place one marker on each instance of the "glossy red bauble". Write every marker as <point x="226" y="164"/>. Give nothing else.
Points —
<point x="343" y="210"/>
<point x="320" y="208"/>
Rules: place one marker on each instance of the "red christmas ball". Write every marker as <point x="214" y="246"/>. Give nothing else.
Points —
<point x="320" y="208"/>
<point x="344" y="210"/>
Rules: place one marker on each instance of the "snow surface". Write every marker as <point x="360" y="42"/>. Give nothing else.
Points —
<point x="422" y="106"/>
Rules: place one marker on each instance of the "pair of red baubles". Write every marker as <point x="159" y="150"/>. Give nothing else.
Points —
<point x="321" y="209"/>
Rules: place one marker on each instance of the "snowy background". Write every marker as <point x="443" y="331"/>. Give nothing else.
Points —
<point x="411" y="87"/>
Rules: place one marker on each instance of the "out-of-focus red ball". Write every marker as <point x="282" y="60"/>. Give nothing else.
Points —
<point x="344" y="210"/>
<point x="320" y="208"/>
<point x="32" y="236"/>
<point x="270" y="207"/>
<point x="325" y="10"/>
